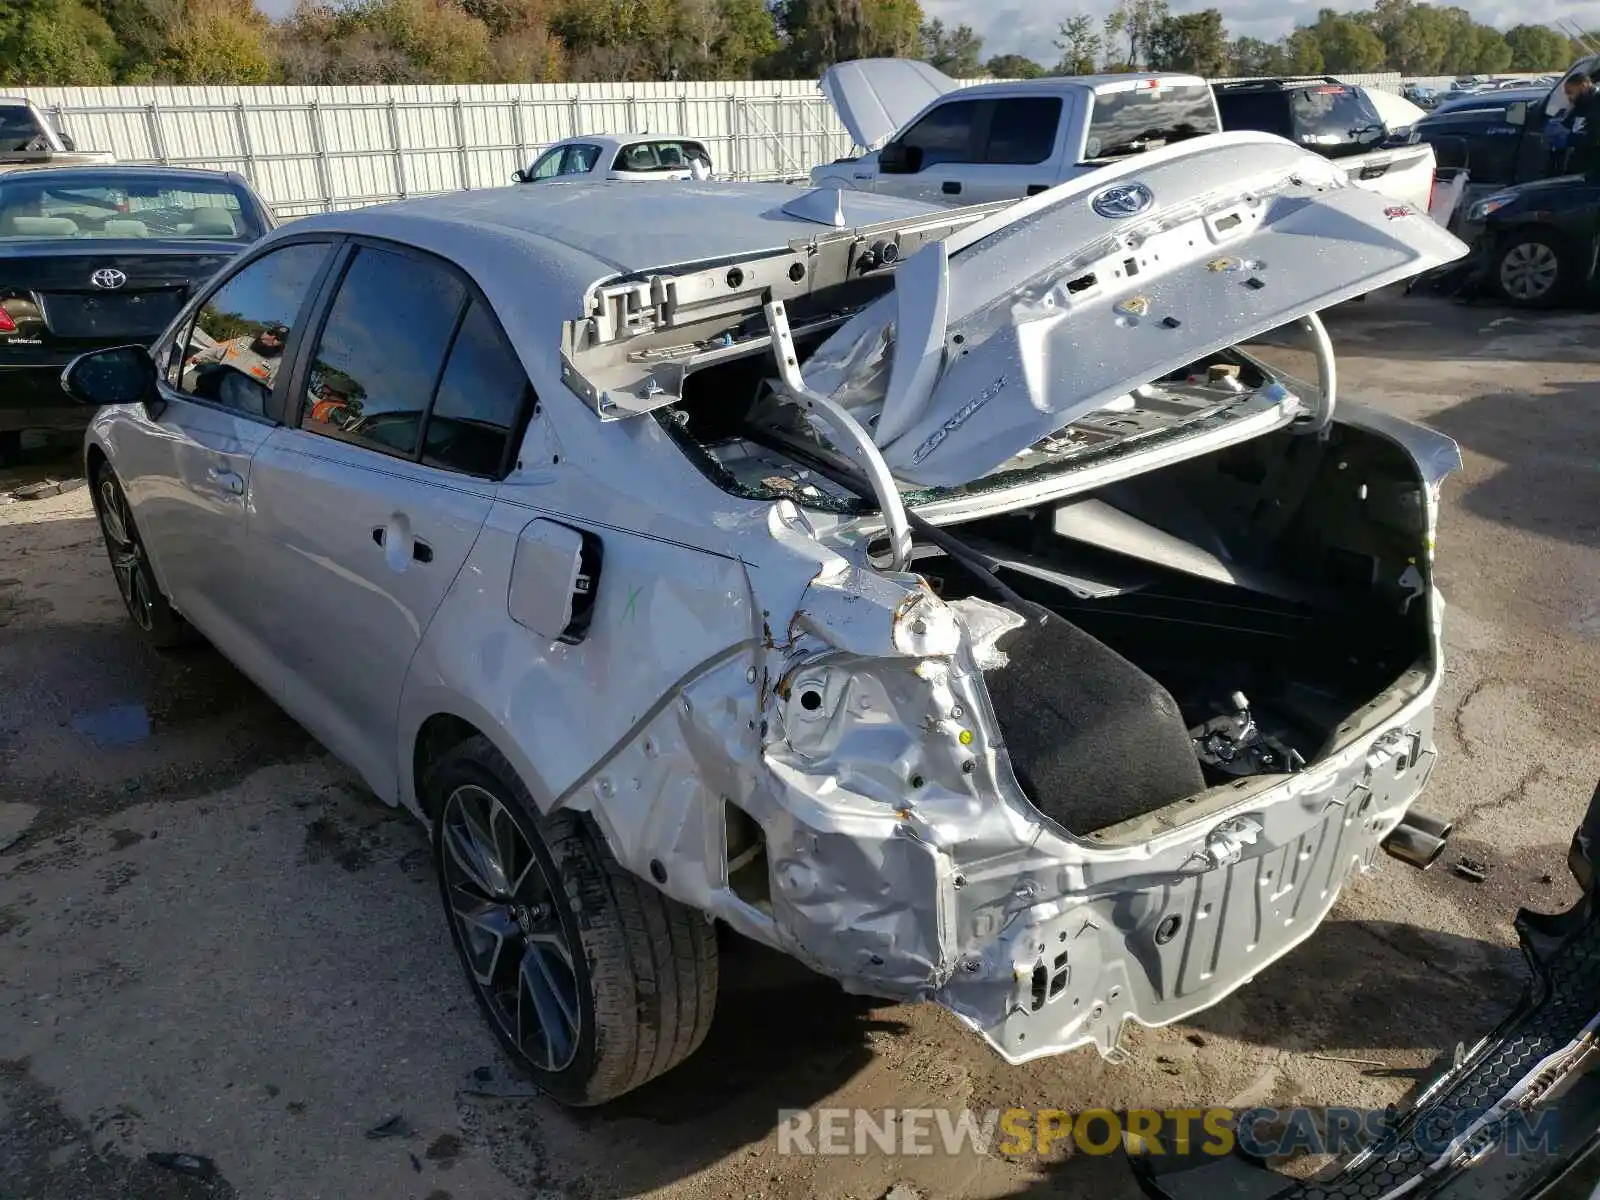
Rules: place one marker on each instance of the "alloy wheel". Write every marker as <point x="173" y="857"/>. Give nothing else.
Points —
<point x="511" y="935"/>
<point x="127" y="554"/>
<point x="1528" y="271"/>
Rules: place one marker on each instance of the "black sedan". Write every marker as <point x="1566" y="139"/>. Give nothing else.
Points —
<point x="95" y="256"/>
<point x="1538" y="241"/>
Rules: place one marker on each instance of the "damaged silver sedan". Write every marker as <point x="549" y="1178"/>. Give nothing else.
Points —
<point x="942" y="597"/>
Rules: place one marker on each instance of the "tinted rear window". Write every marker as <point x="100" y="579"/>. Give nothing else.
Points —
<point x="1147" y="118"/>
<point x="113" y="205"/>
<point x="18" y="127"/>
<point x="1333" y="117"/>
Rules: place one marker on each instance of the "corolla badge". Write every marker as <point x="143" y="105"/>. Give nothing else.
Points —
<point x="1122" y="200"/>
<point x="108" y="277"/>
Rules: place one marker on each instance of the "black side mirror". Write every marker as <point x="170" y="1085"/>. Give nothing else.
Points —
<point x="119" y="375"/>
<point x="899" y="159"/>
<point x="519" y="176"/>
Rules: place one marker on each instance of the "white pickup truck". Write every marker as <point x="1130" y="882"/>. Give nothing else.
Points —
<point x="999" y="141"/>
<point x="28" y="137"/>
<point x="945" y="142"/>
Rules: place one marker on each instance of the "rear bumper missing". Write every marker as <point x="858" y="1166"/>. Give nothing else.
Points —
<point x="1042" y="941"/>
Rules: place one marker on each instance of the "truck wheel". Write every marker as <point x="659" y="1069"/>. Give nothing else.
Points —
<point x="592" y="980"/>
<point x="1529" y="271"/>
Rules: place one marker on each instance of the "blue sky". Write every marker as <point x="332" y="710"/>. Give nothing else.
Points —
<point x="1027" y="26"/>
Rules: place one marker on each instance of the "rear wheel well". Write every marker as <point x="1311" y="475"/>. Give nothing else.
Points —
<point x="439" y="734"/>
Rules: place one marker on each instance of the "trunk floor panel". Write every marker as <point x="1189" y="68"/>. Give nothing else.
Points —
<point x="1093" y="740"/>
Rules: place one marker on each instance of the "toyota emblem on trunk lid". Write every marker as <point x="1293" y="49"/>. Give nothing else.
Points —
<point x="1122" y="200"/>
<point x="108" y="277"/>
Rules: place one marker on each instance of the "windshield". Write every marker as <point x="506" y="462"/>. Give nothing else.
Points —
<point x="1146" y="118"/>
<point x="125" y="206"/>
<point x="19" y="130"/>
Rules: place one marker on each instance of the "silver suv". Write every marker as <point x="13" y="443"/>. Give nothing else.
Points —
<point x="939" y="596"/>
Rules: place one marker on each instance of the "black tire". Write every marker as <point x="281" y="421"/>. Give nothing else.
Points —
<point x="10" y="446"/>
<point x="1532" y="269"/>
<point x="642" y="968"/>
<point x="160" y="624"/>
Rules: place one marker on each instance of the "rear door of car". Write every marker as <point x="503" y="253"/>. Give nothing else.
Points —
<point x="369" y="498"/>
<point x="186" y="463"/>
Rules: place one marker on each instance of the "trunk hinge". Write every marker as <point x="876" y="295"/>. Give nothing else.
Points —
<point x="1327" y="376"/>
<point x="861" y="446"/>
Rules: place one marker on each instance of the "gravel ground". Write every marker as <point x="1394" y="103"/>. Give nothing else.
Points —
<point x="214" y="943"/>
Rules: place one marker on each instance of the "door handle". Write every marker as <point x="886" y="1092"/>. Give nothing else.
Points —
<point x="420" y="550"/>
<point x="226" y="479"/>
<point x="952" y="187"/>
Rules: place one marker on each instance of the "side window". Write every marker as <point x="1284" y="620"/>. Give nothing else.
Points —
<point x="380" y="351"/>
<point x="640" y="157"/>
<point x="232" y="351"/>
<point x="481" y="397"/>
<point x="1023" y="130"/>
<point x="548" y="164"/>
<point x="945" y="135"/>
<point x="580" y="160"/>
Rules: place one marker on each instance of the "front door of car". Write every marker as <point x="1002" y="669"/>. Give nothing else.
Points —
<point x="976" y="151"/>
<point x="188" y="475"/>
<point x="368" y="504"/>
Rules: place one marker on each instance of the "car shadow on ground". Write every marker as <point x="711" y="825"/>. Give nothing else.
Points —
<point x="1549" y="445"/>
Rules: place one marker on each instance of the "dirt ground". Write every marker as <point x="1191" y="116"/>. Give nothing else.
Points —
<point x="213" y="942"/>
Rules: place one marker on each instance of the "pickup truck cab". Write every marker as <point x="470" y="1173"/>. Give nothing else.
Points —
<point x="1501" y="138"/>
<point x="999" y="141"/>
<point x="28" y="137"/>
<point x="1339" y="121"/>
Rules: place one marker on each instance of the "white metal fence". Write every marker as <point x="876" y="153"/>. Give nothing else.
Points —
<point x="311" y="149"/>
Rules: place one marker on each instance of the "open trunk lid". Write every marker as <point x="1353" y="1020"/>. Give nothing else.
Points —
<point x="1064" y="303"/>
<point x="874" y="97"/>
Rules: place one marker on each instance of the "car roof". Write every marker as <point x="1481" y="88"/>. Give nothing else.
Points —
<point x="1073" y="83"/>
<point x="85" y="172"/>
<point x="536" y="252"/>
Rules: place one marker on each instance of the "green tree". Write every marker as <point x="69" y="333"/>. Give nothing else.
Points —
<point x="1347" y="45"/>
<point x="384" y="41"/>
<point x="1302" y="53"/>
<point x="59" y="42"/>
<point x="1492" y="53"/>
<point x="818" y="33"/>
<point x="1013" y="66"/>
<point x="218" y="41"/>
<point x="1134" y="20"/>
<point x="1538" y="48"/>
<point x="1080" y="46"/>
<point x="1248" y="56"/>
<point x="957" y="52"/>
<point x="1193" y="42"/>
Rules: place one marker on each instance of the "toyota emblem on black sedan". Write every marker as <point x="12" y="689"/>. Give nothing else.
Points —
<point x="108" y="277"/>
<point x="1122" y="200"/>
